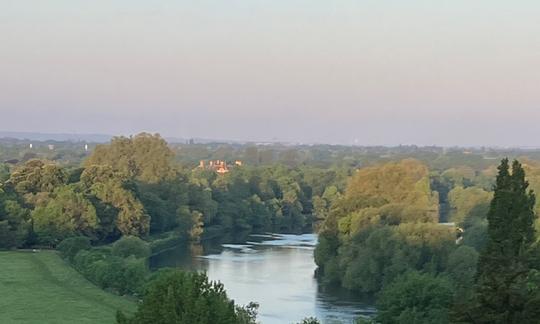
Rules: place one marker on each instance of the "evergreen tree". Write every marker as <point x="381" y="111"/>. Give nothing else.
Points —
<point x="501" y="293"/>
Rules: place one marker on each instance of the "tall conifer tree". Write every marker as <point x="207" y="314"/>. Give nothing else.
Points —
<point x="501" y="293"/>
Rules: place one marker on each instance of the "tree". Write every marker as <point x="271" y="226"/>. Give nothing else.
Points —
<point x="469" y="203"/>
<point x="177" y="297"/>
<point x="68" y="213"/>
<point x="37" y="176"/>
<point x="108" y="186"/>
<point x="14" y="224"/>
<point x="415" y="298"/>
<point x="504" y="266"/>
<point x="69" y="247"/>
<point x="461" y="267"/>
<point x="145" y="157"/>
<point x="131" y="246"/>
<point x="383" y="226"/>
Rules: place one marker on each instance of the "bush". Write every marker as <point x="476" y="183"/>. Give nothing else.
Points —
<point x="131" y="246"/>
<point x="187" y="297"/>
<point x="69" y="247"/>
<point x="85" y="259"/>
<point x="415" y="298"/>
<point x="121" y="275"/>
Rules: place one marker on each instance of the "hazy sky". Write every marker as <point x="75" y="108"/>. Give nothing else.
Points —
<point x="445" y="72"/>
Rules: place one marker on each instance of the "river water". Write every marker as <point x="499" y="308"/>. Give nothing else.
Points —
<point x="274" y="270"/>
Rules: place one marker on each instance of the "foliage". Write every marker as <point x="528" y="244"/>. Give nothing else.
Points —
<point x="37" y="176"/>
<point x="69" y="213"/>
<point x="14" y="223"/>
<point x="415" y="298"/>
<point x="377" y="256"/>
<point x="185" y="297"/>
<point x="130" y="246"/>
<point x="461" y="267"/>
<point x="467" y="203"/>
<point x="504" y="267"/>
<point x="144" y="157"/>
<point x="383" y="226"/>
<point x="120" y="275"/>
<point x="69" y="247"/>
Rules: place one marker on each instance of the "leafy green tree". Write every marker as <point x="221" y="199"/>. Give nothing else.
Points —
<point x="461" y="267"/>
<point x="36" y="180"/>
<point x="68" y="213"/>
<point x="14" y="223"/>
<point x="144" y="157"/>
<point x="130" y="246"/>
<point x="376" y="256"/>
<point x="415" y="298"/>
<point x="132" y="219"/>
<point x="383" y="226"/>
<point x="161" y="201"/>
<point x="69" y="247"/>
<point x="501" y="293"/>
<point x="467" y="203"/>
<point x="185" y="298"/>
<point x="4" y="172"/>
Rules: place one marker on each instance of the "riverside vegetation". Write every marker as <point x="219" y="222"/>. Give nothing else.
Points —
<point x="379" y="223"/>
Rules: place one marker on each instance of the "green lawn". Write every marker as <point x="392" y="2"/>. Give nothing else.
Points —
<point x="41" y="288"/>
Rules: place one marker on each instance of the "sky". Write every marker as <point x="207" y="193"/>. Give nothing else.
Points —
<point x="367" y="72"/>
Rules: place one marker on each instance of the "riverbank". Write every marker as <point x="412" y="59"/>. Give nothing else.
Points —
<point x="274" y="270"/>
<point x="40" y="287"/>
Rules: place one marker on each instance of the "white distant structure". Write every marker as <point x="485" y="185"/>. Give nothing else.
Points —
<point x="51" y="147"/>
<point x="86" y="147"/>
<point x="30" y="145"/>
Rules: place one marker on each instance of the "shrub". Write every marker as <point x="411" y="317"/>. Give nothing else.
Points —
<point x="187" y="297"/>
<point x="131" y="246"/>
<point x="69" y="247"/>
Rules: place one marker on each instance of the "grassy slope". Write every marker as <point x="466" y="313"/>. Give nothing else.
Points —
<point x="41" y="288"/>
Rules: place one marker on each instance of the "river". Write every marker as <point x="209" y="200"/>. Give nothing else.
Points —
<point x="274" y="270"/>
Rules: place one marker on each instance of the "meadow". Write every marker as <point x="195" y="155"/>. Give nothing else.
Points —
<point x="40" y="287"/>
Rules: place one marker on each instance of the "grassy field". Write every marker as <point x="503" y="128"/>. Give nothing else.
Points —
<point x="41" y="288"/>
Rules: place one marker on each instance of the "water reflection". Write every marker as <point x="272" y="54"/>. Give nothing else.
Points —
<point x="274" y="270"/>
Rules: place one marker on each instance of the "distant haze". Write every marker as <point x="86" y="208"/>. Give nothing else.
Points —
<point x="456" y="72"/>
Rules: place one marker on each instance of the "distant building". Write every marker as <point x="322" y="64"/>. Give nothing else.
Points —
<point x="218" y="166"/>
<point x="51" y="147"/>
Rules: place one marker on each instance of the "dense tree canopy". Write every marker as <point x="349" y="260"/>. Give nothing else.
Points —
<point x="67" y="213"/>
<point x="415" y="298"/>
<point x="144" y="157"/>
<point x="384" y="224"/>
<point x="176" y="297"/>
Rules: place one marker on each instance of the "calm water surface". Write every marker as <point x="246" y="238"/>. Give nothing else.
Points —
<point x="273" y="270"/>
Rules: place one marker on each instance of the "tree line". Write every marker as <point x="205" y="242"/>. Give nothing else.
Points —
<point x="384" y="237"/>
<point x="133" y="186"/>
<point x="380" y="224"/>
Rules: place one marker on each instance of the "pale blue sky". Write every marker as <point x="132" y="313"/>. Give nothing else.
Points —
<point x="382" y="72"/>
